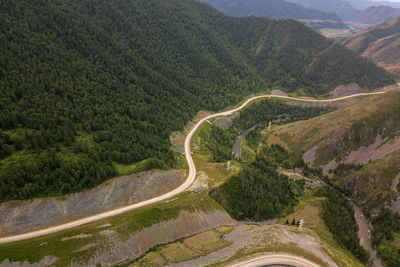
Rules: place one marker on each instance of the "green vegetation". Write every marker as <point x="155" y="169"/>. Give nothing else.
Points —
<point x="253" y="139"/>
<point x="258" y="192"/>
<point x="85" y="85"/>
<point x="257" y="115"/>
<point x="346" y="130"/>
<point x="219" y="144"/>
<point x="338" y="215"/>
<point x="262" y="112"/>
<point x="385" y="224"/>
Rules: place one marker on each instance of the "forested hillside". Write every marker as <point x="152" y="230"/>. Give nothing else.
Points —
<point x="259" y="192"/>
<point x="86" y="85"/>
<point x="277" y="9"/>
<point x="340" y="7"/>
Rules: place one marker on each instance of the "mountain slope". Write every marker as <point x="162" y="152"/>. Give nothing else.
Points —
<point x="380" y="43"/>
<point x="88" y="86"/>
<point x="277" y="9"/>
<point x="339" y="7"/>
<point x="363" y="4"/>
<point x="358" y="147"/>
<point x="374" y="15"/>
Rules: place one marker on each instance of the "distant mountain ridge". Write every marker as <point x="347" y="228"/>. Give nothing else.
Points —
<point x="363" y="4"/>
<point x="339" y="7"/>
<point x="380" y="43"/>
<point x="344" y="8"/>
<point x="374" y="15"/>
<point x="277" y="9"/>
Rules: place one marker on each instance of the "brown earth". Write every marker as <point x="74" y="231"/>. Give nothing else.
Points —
<point x="344" y="90"/>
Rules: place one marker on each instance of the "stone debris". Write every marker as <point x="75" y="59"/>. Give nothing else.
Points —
<point x="80" y="236"/>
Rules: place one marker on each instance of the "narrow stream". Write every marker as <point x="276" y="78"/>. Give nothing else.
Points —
<point x="365" y="234"/>
<point x="236" y="148"/>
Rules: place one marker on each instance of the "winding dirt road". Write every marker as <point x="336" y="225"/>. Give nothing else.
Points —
<point x="189" y="180"/>
<point x="275" y="259"/>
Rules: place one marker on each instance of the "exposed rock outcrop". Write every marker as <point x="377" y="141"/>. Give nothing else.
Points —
<point x="46" y="261"/>
<point x="187" y="224"/>
<point x="23" y="216"/>
<point x="377" y="150"/>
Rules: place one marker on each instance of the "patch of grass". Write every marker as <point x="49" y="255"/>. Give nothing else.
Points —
<point x="147" y="164"/>
<point x="151" y="259"/>
<point x="225" y="229"/>
<point x="335" y="33"/>
<point x="178" y="252"/>
<point x="126" y="169"/>
<point x="181" y="163"/>
<point x="206" y="242"/>
<point x="248" y="153"/>
<point x="396" y="240"/>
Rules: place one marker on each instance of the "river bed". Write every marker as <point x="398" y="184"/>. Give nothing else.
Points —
<point x="365" y="234"/>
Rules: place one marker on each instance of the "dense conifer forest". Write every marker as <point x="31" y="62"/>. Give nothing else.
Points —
<point x="259" y="192"/>
<point x="85" y="85"/>
<point x="386" y="225"/>
<point x="338" y="215"/>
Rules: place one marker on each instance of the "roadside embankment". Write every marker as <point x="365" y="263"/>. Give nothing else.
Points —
<point x="23" y="216"/>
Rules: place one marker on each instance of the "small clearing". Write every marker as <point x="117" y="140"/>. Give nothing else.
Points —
<point x="278" y="92"/>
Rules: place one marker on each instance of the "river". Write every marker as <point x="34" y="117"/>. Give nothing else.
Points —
<point x="365" y="234"/>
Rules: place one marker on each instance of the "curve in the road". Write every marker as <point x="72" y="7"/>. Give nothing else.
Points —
<point x="275" y="259"/>
<point x="189" y="180"/>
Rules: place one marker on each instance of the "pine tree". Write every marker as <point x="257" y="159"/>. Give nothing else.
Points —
<point x="287" y="221"/>
<point x="294" y="221"/>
